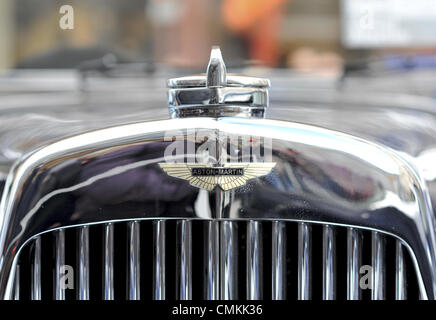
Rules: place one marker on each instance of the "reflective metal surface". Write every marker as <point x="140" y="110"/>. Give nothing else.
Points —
<point x="60" y="262"/>
<point x="134" y="262"/>
<point x="231" y="80"/>
<point x="354" y="262"/>
<point x="17" y="284"/>
<point x="379" y="266"/>
<point x="229" y="261"/>
<point x="109" y="261"/>
<point x="216" y="74"/>
<point x="352" y="182"/>
<point x="400" y="273"/>
<point x="254" y="261"/>
<point x="216" y="95"/>
<point x="84" y="263"/>
<point x="36" y="271"/>
<point x="278" y="265"/>
<point x="213" y="260"/>
<point x="329" y="263"/>
<point x="304" y="262"/>
<point x="184" y="258"/>
<point x="159" y="266"/>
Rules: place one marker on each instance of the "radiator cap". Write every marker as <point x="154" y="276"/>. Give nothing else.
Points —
<point x="216" y="93"/>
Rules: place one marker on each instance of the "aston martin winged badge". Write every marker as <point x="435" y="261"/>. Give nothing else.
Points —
<point x="227" y="177"/>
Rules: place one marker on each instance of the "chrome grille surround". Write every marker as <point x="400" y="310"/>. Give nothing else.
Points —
<point x="385" y="194"/>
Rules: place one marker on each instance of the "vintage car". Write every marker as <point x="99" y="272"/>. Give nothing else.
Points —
<point x="325" y="192"/>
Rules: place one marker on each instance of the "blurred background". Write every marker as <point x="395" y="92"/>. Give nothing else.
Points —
<point x="323" y="37"/>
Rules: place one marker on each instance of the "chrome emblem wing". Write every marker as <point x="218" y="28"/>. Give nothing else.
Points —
<point x="227" y="177"/>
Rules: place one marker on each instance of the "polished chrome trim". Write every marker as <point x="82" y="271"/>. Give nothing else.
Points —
<point x="17" y="283"/>
<point x="225" y="97"/>
<point x="212" y="230"/>
<point x="109" y="261"/>
<point x="278" y="260"/>
<point x="84" y="263"/>
<point x="254" y="260"/>
<point x="354" y="261"/>
<point x="400" y="273"/>
<point x="232" y="80"/>
<point x="159" y="268"/>
<point x="229" y="260"/>
<point x="218" y="111"/>
<point x="36" y="270"/>
<point x="134" y="261"/>
<point x="304" y="262"/>
<point x="213" y="96"/>
<point x="185" y="259"/>
<point x="385" y="208"/>
<point x="378" y="264"/>
<point x="328" y="263"/>
<point x="216" y="70"/>
<point x="60" y="262"/>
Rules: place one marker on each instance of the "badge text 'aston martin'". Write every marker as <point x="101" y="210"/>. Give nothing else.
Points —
<point x="227" y="177"/>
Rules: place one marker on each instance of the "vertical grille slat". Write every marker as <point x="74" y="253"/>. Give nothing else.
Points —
<point x="60" y="263"/>
<point x="212" y="260"/>
<point x="378" y="264"/>
<point x="109" y="261"/>
<point x="304" y="261"/>
<point x="329" y="263"/>
<point x="228" y="261"/>
<point x="278" y="260"/>
<point x="84" y="263"/>
<point x="354" y="261"/>
<point x="36" y="270"/>
<point x="185" y="260"/>
<point x="215" y="259"/>
<point x="134" y="261"/>
<point x="254" y="261"/>
<point x="159" y="260"/>
<point x="400" y="273"/>
<point x="17" y="283"/>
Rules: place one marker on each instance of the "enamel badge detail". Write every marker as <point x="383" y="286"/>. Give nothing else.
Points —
<point x="227" y="177"/>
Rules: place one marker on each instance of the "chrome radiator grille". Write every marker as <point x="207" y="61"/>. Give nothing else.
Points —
<point x="198" y="259"/>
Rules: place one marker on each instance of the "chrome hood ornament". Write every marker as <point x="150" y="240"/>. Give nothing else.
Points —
<point x="217" y="94"/>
